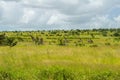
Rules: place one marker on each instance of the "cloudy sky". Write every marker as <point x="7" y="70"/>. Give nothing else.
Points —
<point x="59" y="14"/>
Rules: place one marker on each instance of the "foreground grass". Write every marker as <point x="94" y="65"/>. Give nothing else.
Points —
<point x="27" y="61"/>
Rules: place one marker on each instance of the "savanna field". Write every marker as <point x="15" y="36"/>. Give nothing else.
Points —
<point x="60" y="55"/>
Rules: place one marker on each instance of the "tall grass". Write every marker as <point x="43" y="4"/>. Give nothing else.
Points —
<point x="27" y="61"/>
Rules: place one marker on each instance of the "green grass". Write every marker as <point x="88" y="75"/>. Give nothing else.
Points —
<point x="27" y="61"/>
<point x="99" y="60"/>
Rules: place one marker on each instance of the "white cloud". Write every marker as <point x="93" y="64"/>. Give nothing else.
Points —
<point x="96" y="3"/>
<point x="59" y="12"/>
<point x="28" y="15"/>
<point x="57" y="18"/>
<point x="117" y="18"/>
<point x="11" y="12"/>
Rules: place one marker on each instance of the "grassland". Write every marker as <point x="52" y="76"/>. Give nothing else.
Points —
<point x="75" y="60"/>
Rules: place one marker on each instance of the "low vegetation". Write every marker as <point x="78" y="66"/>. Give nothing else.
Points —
<point x="60" y="55"/>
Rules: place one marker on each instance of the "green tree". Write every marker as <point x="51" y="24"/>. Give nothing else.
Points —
<point x="116" y="34"/>
<point x="11" y="42"/>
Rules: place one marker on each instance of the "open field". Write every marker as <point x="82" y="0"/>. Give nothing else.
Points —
<point x="62" y="55"/>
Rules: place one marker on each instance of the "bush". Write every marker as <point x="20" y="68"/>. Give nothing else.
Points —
<point x="117" y="39"/>
<point x="5" y="76"/>
<point x="107" y="44"/>
<point x="90" y="41"/>
<point x="116" y="34"/>
<point x="104" y="76"/>
<point x="7" y="41"/>
<point x="62" y="42"/>
<point x="104" y="33"/>
<point x="11" y="42"/>
<point x="55" y="74"/>
<point x="37" y="40"/>
<point x="2" y="39"/>
<point x="63" y="75"/>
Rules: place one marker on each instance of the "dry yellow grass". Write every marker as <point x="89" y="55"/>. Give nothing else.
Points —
<point x="27" y="55"/>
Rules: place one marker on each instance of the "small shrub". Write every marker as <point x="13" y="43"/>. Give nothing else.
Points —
<point x="104" y="33"/>
<point x="81" y="44"/>
<point x="90" y="41"/>
<point x="62" y="42"/>
<point x="5" y="76"/>
<point x="92" y="36"/>
<point x="63" y="75"/>
<point x="37" y="40"/>
<point x="20" y="39"/>
<point x="116" y="34"/>
<point x="7" y="41"/>
<point x="117" y="39"/>
<point x="2" y="39"/>
<point x="107" y="44"/>
<point x="102" y="76"/>
<point x="56" y="74"/>
<point x="45" y="75"/>
<point x="11" y="42"/>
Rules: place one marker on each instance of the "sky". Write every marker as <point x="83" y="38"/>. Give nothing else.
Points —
<point x="59" y="14"/>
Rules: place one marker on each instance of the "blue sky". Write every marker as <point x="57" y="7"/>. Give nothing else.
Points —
<point x="59" y="14"/>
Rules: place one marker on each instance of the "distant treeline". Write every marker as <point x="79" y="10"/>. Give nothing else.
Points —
<point x="60" y="37"/>
<point x="100" y="29"/>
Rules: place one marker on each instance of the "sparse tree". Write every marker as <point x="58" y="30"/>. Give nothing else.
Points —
<point x="7" y="41"/>
<point x="62" y="42"/>
<point x="90" y="41"/>
<point x="11" y="42"/>
<point x="37" y="40"/>
<point x="92" y="36"/>
<point x="116" y="34"/>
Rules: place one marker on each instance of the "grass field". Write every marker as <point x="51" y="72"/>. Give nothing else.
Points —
<point x="27" y="61"/>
